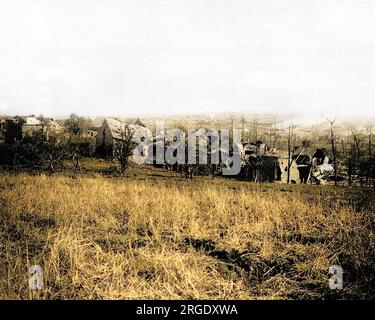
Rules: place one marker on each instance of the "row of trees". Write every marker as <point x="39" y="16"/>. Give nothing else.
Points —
<point x="355" y="161"/>
<point x="360" y="160"/>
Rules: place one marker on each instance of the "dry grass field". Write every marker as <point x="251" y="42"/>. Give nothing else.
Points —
<point x="156" y="235"/>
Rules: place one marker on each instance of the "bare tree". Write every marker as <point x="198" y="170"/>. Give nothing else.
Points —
<point x="350" y="163"/>
<point x="53" y="148"/>
<point x="369" y="131"/>
<point x="290" y="147"/>
<point x="76" y="162"/>
<point x="357" y="154"/>
<point x="243" y="121"/>
<point x="122" y="148"/>
<point x="315" y="134"/>
<point x="270" y="133"/>
<point x="333" y="146"/>
<point x="370" y="166"/>
<point x="275" y="134"/>
<point x="255" y="130"/>
<point x="231" y="125"/>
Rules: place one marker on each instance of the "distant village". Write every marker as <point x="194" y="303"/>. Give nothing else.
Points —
<point x="268" y="154"/>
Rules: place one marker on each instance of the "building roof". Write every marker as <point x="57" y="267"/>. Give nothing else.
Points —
<point x="305" y="150"/>
<point x="277" y="153"/>
<point x="139" y="123"/>
<point x="31" y="121"/>
<point x="117" y="126"/>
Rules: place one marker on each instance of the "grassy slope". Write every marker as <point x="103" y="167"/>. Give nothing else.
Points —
<point x="156" y="235"/>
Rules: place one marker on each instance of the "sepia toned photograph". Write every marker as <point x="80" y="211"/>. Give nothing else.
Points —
<point x="184" y="150"/>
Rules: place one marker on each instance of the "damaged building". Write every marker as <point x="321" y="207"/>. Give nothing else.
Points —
<point x="306" y="164"/>
<point x="111" y="131"/>
<point x="18" y="127"/>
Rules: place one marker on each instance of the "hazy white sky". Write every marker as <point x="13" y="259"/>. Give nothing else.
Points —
<point x="121" y="57"/>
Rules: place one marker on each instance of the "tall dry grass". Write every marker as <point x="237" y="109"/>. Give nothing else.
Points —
<point x="101" y="238"/>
